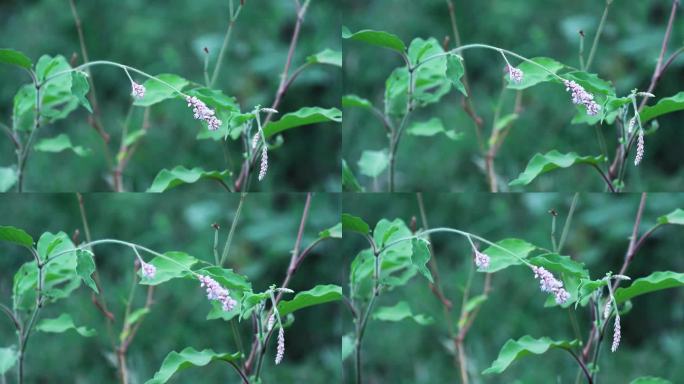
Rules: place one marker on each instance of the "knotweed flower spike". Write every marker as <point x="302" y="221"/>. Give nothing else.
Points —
<point x="281" y="346"/>
<point x="264" y="163"/>
<point x="138" y="90"/>
<point x="481" y="260"/>
<point x="616" y="334"/>
<point x="148" y="270"/>
<point x="216" y="292"/>
<point x="271" y="322"/>
<point x="640" y="148"/>
<point x="607" y="309"/>
<point x="581" y="96"/>
<point x="548" y="283"/>
<point x="630" y="126"/>
<point x="515" y="74"/>
<point x="255" y="140"/>
<point x="202" y="112"/>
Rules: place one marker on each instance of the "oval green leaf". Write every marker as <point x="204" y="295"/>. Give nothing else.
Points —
<point x="500" y="259"/>
<point x="319" y="294"/>
<point x="304" y="116"/>
<point x="173" y="265"/>
<point x="326" y="56"/>
<point x="85" y="268"/>
<point x="168" y="179"/>
<point x="60" y="143"/>
<point x="663" y="106"/>
<point x="354" y="224"/>
<point x="62" y="324"/>
<point x="526" y="345"/>
<point x="156" y="91"/>
<point x="656" y="281"/>
<point x="377" y="38"/>
<point x="399" y="312"/>
<point x="543" y="163"/>
<point x="187" y="358"/>
<point x="16" y="236"/>
<point x="13" y="57"/>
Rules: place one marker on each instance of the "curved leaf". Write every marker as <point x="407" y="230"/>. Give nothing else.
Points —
<point x="8" y="177"/>
<point x="349" y="181"/>
<point x="420" y="257"/>
<point x="11" y="56"/>
<point x="526" y="345"/>
<point x="304" y="116"/>
<point x="16" y="236"/>
<point x="373" y="163"/>
<point x="377" y="38"/>
<point x="319" y="294"/>
<point x="354" y="224"/>
<point x="174" y="265"/>
<point x="85" y="268"/>
<point x="656" y="281"/>
<point x="650" y="380"/>
<point x="674" y="217"/>
<point x="8" y="357"/>
<point x="356" y="101"/>
<point x="63" y="323"/>
<point x="550" y="161"/>
<point x="326" y="56"/>
<point x="663" y="106"/>
<point x="533" y="74"/>
<point x="167" y="179"/>
<point x="80" y="87"/>
<point x="156" y="91"/>
<point x="334" y="232"/>
<point x="430" y="128"/>
<point x="60" y="143"/>
<point x="499" y="259"/>
<point x="455" y="71"/>
<point x="399" y="312"/>
<point x="187" y="358"/>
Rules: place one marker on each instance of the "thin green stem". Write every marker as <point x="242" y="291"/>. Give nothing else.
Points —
<point x="226" y="248"/>
<point x="599" y="31"/>
<point x="568" y="221"/>
<point x="226" y="42"/>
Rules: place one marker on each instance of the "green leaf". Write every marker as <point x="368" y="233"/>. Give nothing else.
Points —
<point x="431" y="128"/>
<point x="551" y="161"/>
<point x="373" y="163"/>
<point x="8" y="357"/>
<point x="503" y="122"/>
<point x="62" y="324"/>
<point x="60" y="143"/>
<point x="533" y="74"/>
<point x="526" y="345"/>
<point x="385" y="229"/>
<point x="334" y="232"/>
<point x="10" y="56"/>
<point x="399" y="312"/>
<point x="650" y="380"/>
<point x="80" y="87"/>
<point x="347" y="345"/>
<point x="326" y="56"/>
<point x="180" y="175"/>
<point x="561" y="264"/>
<point x="319" y="294"/>
<point x="8" y="177"/>
<point x="455" y="71"/>
<point x="499" y="259"/>
<point x="16" y="236"/>
<point x="475" y="302"/>
<point x="189" y="357"/>
<point x="662" y="107"/>
<point x="354" y="224"/>
<point x="137" y="315"/>
<point x="85" y="268"/>
<point x="420" y="257"/>
<point x="674" y="217"/>
<point x="133" y="137"/>
<point x="156" y="91"/>
<point x="377" y="38"/>
<point x="49" y="243"/>
<point x="173" y="265"/>
<point x="24" y="109"/>
<point x="356" y="101"/>
<point x="349" y="182"/>
<point x="656" y="281"/>
<point x="304" y="116"/>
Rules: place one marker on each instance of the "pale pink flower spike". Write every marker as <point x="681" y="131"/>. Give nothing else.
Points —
<point x="581" y="96"/>
<point x="515" y="74"/>
<point x="216" y="292"/>
<point x="137" y="90"/>
<point x="204" y="113"/>
<point x="548" y="283"/>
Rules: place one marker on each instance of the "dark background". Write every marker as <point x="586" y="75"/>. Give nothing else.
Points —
<point x="261" y="249"/>
<point x="167" y="37"/>
<point x="404" y="352"/>
<point x="626" y="56"/>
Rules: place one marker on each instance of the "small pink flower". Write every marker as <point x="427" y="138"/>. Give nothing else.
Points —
<point x="271" y="322"/>
<point x="202" y="112"/>
<point x="255" y="140"/>
<point x="148" y="270"/>
<point x="264" y="163"/>
<point x="616" y="334"/>
<point x="581" y="96"/>
<point x="548" y="283"/>
<point x="138" y="90"/>
<point x="515" y="74"/>
<point x="281" y="346"/>
<point x="216" y="292"/>
<point x="481" y="260"/>
<point x="640" y="148"/>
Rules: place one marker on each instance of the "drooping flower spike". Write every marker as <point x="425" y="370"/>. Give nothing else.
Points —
<point x="280" y="353"/>
<point x="514" y="74"/>
<point x="581" y="96"/>
<point x="617" y="334"/>
<point x="640" y="148"/>
<point x="481" y="259"/>
<point x="216" y="292"/>
<point x="548" y="283"/>
<point x="204" y="113"/>
<point x="264" y="163"/>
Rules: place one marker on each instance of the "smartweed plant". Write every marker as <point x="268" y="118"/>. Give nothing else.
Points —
<point x="58" y="87"/>
<point x="59" y="265"/>
<point x="430" y="70"/>
<point x="398" y="252"/>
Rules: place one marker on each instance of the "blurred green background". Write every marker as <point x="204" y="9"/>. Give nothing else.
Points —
<point x="261" y="249"/>
<point x="168" y="37"/>
<point x="404" y="352"/>
<point x="626" y="56"/>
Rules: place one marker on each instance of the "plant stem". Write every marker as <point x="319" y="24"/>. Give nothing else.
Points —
<point x="226" y="248"/>
<point x="599" y="31"/>
<point x="226" y="42"/>
<point x="568" y="220"/>
<point x="23" y="157"/>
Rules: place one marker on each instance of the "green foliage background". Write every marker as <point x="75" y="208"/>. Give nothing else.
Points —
<point x="261" y="250"/>
<point x="168" y="37"/>
<point x="626" y="56"/>
<point x="404" y="352"/>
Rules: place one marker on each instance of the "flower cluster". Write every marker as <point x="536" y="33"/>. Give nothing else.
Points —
<point x="640" y="148"/>
<point x="202" y="112"/>
<point x="515" y="74"/>
<point x="255" y="140"/>
<point x="271" y="322"/>
<point x="616" y="334"/>
<point x="138" y="90"/>
<point x="216" y="292"/>
<point x="581" y="96"/>
<point x="148" y="270"/>
<point x="548" y="283"/>
<point x="608" y="308"/>
<point x="281" y="346"/>
<point x="481" y="260"/>
<point x="264" y="163"/>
